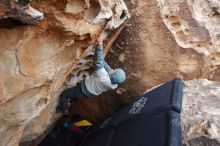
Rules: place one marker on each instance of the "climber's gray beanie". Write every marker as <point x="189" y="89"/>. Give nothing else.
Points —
<point x="118" y="76"/>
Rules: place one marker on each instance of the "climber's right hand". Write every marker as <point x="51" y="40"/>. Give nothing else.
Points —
<point x="98" y="55"/>
<point x="100" y="40"/>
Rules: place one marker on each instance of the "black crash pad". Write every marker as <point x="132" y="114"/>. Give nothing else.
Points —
<point x="151" y="120"/>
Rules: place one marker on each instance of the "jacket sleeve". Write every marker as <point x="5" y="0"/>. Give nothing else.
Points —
<point x="107" y="67"/>
<point x="99" y="64"/>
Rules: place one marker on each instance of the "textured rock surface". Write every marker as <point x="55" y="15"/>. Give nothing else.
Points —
<point x="35" y="61"/>
<point x="150" y="55"/>
<point x="194" y="24"/>
<point x="20" y="10"/>
<point x="201" y="113"/>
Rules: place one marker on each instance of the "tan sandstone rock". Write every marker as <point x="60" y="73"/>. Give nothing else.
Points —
<point x="194" y="24"/>
<point x="32" y="75"/>
<point x="36" y="60"/>
<point x="151" y="56"/>
<point x="201" y="113"/>
<point x="20" y="10"/>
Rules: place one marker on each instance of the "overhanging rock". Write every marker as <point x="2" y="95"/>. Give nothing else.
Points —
<point x="35" y="61"/>
<point x="194" y="24"/>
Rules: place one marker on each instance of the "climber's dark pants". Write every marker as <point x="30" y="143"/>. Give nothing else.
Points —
<point x="70" y="94"/>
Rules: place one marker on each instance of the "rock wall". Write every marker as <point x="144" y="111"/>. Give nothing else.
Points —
<point x="150" y="55"/>
<point x="35" y="61"/>
<point x="194" y="24"/>
<point x="20" y="10"/>
<point x="148" y="52"/>
<point x="201" y="113"/>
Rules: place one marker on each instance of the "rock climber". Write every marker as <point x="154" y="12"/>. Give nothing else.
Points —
<point x="104" y="78"/>
<point x="20" y="10"/>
